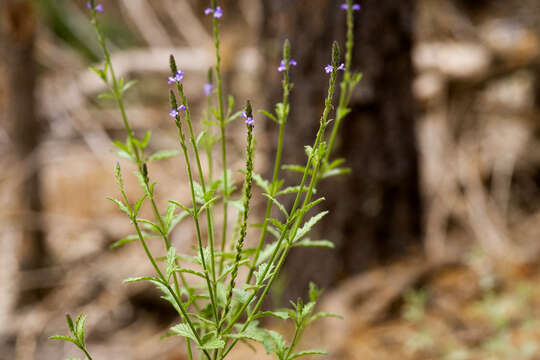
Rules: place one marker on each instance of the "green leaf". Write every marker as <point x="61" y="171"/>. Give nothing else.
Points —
<point x="324" y="314"/>
<point x="317" y="243"/>
<point x="146" y="139"/>
<point x="105" y="95"/>
<point x="137" y="279"/>
<point x="199" y="193"/>
<point x="69" y="321"/>
<point x="101" y="73"/>
<point x="163" y="154"/>
<point x="138" y="205"/>
<point x="171" y="262"/>
<point x="234" y="116"/>
<point x="193" y="272"/>
<point x="186" y="209"/>
<point x="169" y="215"/>
<point x="307" y="352"/>
<point x="124" y="241"/>
<point x="283" y="315"/>
<point x="211" y="341"/>
<point x="179" y="217"/>
<point x="308" y="225"/>
<point x="151" y="225"/>
<point x="200" y="137"/>
<point x="336" y="171"/>
<point x="64" y="338"/>
<point x="261" y="272"/>
<point x="127" y="86"/>
<point x="262" y="183"/>
<point x="274" y="343"/>
<point x="184" y="330"/>
<point x="295" y="168"/>
<point x="121" y="206"/>
<point x="268" y="115"/>
<point x="206" y="205"/>
<point x="277" y="203"/>
<point x="266" y="252"/>
<point x="293" y="190"/>
<point x="79" y="328"/>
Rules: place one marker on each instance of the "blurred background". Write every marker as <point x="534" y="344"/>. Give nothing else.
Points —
<point x="436" y="229"/>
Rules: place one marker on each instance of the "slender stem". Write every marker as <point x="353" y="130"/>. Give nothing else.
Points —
<point x="277" y="163"/>
<point x="222" y="120"/>
<point x="209" y="211"/>
<point x="188" y="346"/>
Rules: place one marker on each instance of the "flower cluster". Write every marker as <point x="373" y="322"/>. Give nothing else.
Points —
<point x="98" y="8"/>
<point x="248" y="119"/>
<point x="174" y="112"/>
<point x="355" y="7"/>
<point x="217" y="13"/>
<point x="329" y="68"/>
<point x="176" y="78"/>
<point x="282" y="66"/>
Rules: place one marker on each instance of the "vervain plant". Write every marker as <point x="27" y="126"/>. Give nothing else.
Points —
<point x="227" y="308"/>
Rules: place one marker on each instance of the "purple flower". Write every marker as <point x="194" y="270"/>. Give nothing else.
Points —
<point x="174" y="112"/>
<point x="329" y="68"/>
<point x="176" y="78"/>
<point x="98" y="8"/>
<point x="248" y="119"/>
<point x="355" y="7"/>
<point x="282" y="66"/>
<point x="217" y="13"/>
<point x="208" y="89"/>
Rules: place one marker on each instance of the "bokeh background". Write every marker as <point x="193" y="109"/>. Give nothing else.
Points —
<point x="436" y="229"/>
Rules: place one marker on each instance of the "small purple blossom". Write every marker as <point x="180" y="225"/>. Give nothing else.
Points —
<point x="355" y="7"/>
<point x="176" y="78"/>
<point x="329" y="68"/>
<point x="217" y="13"/>
<point x="174" y="112"/>
<point x="248" y="119"/>
<point x="282" y="66"/>
<point x="208" y="87"/>
<point x="98" y="8"/>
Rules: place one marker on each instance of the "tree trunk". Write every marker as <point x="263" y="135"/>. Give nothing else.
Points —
<point x="375" y="213"/>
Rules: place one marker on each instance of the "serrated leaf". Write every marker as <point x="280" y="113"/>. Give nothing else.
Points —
<point x="69" y="321"/>
<point x="265" y="271"/>
<point x="277" y="314"/>
<point x="206" y="205"/>
<point x="199" y="193"/>
<point x="184" y="330"/>
<point x="121" y="206"/>
<point x="277" y="203"/>
<point x="308" y="352"/>
<point x="262" y="183"/>
<point x="151" y="225"/>
<point x="324" y="314"/>
<point x="211" y="341"/>
<point x="169" y="215"/>
<point x="314" y="243"/>
<point x="137" y="279"/>
<point x="79" y="328"/>
<point x="171" y="262"/>
<point x="336" y="171"/>
<point x="163" y="154"/>
<point x="138" y="205"/>
<point x="293" y="190"/>
<point x="186" y="209"/>
<point x="274" y="343"/>
<point x="64" y="338"/>
<point x="266" y="252"/>
<point x="308" y="225"/>
<point x="193" y="272"/>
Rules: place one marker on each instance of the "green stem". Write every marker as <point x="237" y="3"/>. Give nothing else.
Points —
<point x="221" y="113"/>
